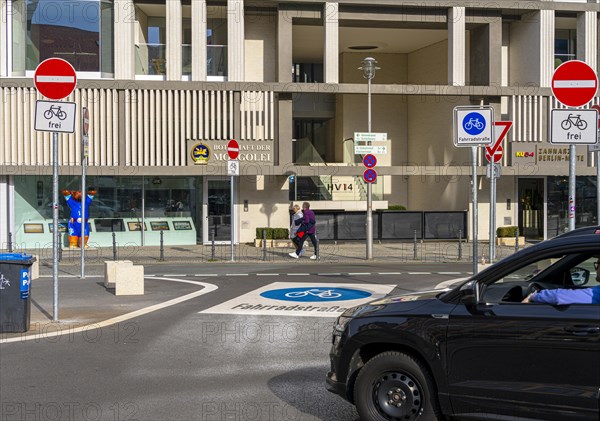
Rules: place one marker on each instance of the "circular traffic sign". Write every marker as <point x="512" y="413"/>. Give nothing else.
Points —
<point x="494" y="155"/>
<point x="474" y="123"/>
<point x="233" y="149"/>
<point x="370" y="175"/>
<point x="574" y="83"/>
<point x="55" y="78"/>
<point x="369" y="160"/>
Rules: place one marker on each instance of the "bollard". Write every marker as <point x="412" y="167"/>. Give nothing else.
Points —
<point x="459" y="244"/>
<point x="415" y="246"/>
<point x="517" y="239"/>
<point x="114" y="245"/>
<point x="10" y="247"/>
<point x="212" y="244"/>
<point x="264" y="244"/>
<point x="161" y="258"/>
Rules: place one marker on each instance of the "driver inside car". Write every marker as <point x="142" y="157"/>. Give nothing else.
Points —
<point x="563" y="296"/>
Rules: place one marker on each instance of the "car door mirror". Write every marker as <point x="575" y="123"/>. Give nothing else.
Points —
<point x="469" y="293"/>
<point x="580" y="276"/>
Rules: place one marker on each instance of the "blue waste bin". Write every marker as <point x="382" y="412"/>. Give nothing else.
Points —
<point x="15" y="291"/>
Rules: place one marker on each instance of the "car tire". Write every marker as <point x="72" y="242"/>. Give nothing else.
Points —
<point x="395" y="386"/>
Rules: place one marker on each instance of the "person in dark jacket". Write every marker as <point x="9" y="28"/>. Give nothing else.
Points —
<point x="562" y="296"/>
<point x="308" y="228"/>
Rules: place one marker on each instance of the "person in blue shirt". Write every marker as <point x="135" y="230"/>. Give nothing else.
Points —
<point x="561" y="296"/>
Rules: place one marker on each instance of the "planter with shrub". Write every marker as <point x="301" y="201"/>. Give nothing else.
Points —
<point x="275" y="237"/>
<point x="506" y="236"/>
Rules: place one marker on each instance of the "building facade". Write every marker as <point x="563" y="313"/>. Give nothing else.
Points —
<point x="168" y="84"/>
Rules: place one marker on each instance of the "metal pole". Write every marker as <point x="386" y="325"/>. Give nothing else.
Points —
<point x="161" y="257"/>
<point x="459" y="244"/>
<point x="114" y="242"/>
<point x="143" y="211"/>
<point x="83" y="200"/>
<point x="492" y="213"/>
<point x="598" y="187"/>
<point x="55" y="230"/>
<point x="572" y="179"/>
<point x="231" y="222"/>
<point x="475" y="214"/>
<point x="369" y="186"/>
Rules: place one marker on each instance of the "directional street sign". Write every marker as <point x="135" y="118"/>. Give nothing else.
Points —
<point x="494" y="153"/>
<point x="233" y="149"/>
<point x="574" y="83"/>
<point x="55" y="78"/>
<point x="473" y="126"/>
<point x="361" y="150"/>
<point x="370" y="175"/>
<point x="573" y="127"/>
<point x="55" y="116"/>
<point x="370" y="137"/>
<point x="369" y="161"/>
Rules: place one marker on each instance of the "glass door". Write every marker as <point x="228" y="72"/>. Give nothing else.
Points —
<point x="217" y="210"/>
<point x="531" y="208"/>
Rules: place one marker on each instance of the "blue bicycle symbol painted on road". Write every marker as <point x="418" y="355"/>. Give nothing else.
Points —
<point x="473" y="123"/>
<point x="317" y="294"/>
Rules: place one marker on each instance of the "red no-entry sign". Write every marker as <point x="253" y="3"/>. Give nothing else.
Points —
<point x="55" y="78"/>
<point x="574" y="83"/>
<point x="233" y="149"/>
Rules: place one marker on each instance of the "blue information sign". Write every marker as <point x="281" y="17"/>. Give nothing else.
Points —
<point x="370" y="175"/>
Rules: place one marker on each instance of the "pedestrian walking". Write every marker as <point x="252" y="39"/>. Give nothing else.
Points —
<point x="297" y="219"/>
<point x="309" y="229"/>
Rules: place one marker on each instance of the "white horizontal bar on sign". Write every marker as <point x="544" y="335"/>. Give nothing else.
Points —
<point x="574" y="83"/>
<point x="55" y="79"/>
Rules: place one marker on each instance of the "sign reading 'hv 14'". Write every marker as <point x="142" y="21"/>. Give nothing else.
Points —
<point x="55" y="78"/>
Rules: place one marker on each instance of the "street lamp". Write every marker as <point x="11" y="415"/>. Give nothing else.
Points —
<point x="369" y="67"/>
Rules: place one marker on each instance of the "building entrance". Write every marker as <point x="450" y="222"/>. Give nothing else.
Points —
<point x="531" y="208"/>
<point x="217" y="210"/>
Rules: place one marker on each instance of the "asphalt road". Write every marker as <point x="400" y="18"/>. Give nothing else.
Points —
<point x="179" y="364"/>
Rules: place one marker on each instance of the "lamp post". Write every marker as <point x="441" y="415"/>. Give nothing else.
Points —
<point x="369" y="66"/>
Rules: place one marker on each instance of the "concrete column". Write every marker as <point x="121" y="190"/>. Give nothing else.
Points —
<point x="587" y="38"/>
<point x="4" y="40"/>
<point x="546" y="37"/>
<point x="124" y="40"/>
<point x="199" y="24"/>
<point x="495" y="52"/>
<point x="284" y="127"/>
<point x="284" y="46"/>
<point x="235" y="40"/>
<point x="331" y="48"/>
<point x="456" y="46"/>
<point x="174" y="40"/>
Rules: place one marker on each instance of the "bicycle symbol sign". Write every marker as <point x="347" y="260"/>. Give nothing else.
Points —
<point x="474" y="123"/>
<point x="316" y="294"/>
<point x="573" y="127"/>
<point x="55" y="116"/>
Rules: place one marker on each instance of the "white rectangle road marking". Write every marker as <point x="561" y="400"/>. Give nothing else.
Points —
<point x="310" y="299"/>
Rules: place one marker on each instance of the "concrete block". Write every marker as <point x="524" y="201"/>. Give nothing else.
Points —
<point x="35" y="268"/>
<point x="130" y="280"/>
<point x="110" y="271"/>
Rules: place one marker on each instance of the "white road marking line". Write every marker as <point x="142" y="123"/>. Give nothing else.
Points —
<point x="268" y="274"/>
<point x="298" y="274"/>
<point x="359" y="273"/>
<point x="449" y="273"/>
<point x="72" y="276"/>
<point x="206" y="274"/>
<point x="389" y="273"/>
<point x="174" y="274"/>
<point x="236" y="274"/>
<point x="329" y="274"/>
<point x="205" y="290"/>
<point x="419" y="273"/>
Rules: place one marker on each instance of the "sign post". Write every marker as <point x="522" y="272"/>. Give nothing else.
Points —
<point x="233" y="150"/>
<point x="85" y="127"/>
<point x="54" y="78"/>
<point x="574" y="84"/>
<point x="597" y="108"/>
<point x="473" y="126"/>
<point x="494" y="155"/>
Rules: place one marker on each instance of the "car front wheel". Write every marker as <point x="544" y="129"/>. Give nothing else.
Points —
<point x="394" y="386"/>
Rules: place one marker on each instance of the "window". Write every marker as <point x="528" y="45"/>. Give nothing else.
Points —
<point x="565" y="46"/>
<point x="80" y="32"/>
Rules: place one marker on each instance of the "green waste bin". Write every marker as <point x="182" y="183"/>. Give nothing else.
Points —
<point x="15" y="291"/>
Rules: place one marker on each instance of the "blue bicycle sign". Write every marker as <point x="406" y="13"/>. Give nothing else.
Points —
<point x="316" y="294"/>
<point x="473" y="123"/>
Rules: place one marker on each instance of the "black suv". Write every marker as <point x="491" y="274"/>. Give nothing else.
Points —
<point x="475" y="351"/>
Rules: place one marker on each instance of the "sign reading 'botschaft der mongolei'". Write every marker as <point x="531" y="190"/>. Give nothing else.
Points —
<point x="254" y="151"/>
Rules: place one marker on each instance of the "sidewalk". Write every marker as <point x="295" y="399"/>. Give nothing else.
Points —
<point x="330" y="252"/>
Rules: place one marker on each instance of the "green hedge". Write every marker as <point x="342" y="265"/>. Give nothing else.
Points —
<point x="510" y="231"/>
<point x="273" y="233"/>
<point x="396" y="207"/>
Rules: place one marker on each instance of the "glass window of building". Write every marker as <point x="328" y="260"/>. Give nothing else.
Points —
<point x="79" y="31"/>
<point x="151" y="40"/>
<point x="216" y="42"/>
<point x="565" y="46"/>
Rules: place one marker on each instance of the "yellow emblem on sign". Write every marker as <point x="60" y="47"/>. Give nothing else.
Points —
<point x="200" y="154"/>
